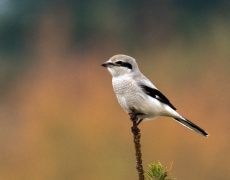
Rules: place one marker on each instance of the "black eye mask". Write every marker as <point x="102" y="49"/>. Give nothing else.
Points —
<point x="124" y="64"/>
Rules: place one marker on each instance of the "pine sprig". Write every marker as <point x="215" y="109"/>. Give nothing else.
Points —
<point x="156" y="171"/>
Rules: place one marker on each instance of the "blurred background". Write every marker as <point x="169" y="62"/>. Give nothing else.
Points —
<point x="59" y="118"/>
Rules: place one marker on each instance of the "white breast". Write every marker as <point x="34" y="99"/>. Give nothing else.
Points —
<point x="127" y="92"/>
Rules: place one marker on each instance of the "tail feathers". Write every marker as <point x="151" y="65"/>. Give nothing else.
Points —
<point x="192" y="126"/>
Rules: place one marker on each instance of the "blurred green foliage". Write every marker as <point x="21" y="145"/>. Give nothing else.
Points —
<point x="127" y="21"/>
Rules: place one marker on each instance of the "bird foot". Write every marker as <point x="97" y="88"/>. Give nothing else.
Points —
<point x="133" y="117"/>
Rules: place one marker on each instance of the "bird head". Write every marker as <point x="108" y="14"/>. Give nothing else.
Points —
<point x="120" y="64"/>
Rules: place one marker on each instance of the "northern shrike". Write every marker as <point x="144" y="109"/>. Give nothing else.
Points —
<point x="137" y="94"/>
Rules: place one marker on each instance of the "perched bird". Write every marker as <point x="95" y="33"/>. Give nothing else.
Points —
<point x="137" y="95"/>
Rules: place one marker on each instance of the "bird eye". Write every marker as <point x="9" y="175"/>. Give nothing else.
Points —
<point x="124" y="64"/>
<point x="119" y="62"/>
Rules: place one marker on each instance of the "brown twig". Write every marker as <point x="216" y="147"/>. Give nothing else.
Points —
<point x="136" y="139"/>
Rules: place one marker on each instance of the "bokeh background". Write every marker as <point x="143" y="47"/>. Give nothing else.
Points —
<point x="59" y="118"/>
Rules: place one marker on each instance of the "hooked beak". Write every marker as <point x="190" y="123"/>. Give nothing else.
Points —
<point x="104" y="64"/>
<point x="107" y="64"/>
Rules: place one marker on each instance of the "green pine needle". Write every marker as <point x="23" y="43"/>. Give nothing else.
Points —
<point x="156" y="171"/>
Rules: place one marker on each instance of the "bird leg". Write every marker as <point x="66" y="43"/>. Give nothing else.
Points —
<point x="135" y="117"/>
<point x="139" y="121"/>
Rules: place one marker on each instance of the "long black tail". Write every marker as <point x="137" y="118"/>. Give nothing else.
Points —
<point x="192" y="126"/>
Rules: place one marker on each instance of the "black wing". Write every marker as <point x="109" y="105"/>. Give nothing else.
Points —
<point x="157" y="95"/>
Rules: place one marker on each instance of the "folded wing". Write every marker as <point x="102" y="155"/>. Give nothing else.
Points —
<point x="154" y="93"/>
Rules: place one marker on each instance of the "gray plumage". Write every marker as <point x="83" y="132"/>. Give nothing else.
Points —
<point x="137" y="94"/>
